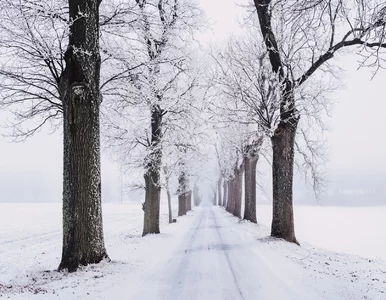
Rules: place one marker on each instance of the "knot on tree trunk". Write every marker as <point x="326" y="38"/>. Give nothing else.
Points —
<point x="79" y="89"/>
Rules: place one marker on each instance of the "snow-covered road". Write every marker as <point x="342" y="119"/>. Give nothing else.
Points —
<point x="207" y="254"/>
<point x="217" y="261"/>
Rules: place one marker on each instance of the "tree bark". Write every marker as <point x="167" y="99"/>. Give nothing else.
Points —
<point x="188" y="199"/>
<point x="83" y="240"/>
<point x="225" y="199"/>
<point x="238" y="191"/>
<point x="184" y="193"/>
<point x="152" y="175"/>
<point x="169" y="206"/>
<point x="181" y="205"/>
<point x="283" y="141"/>
<point x="282" y="176"/>
<point x="229" y="193"/>
<point x="231" y="198"/>
<point x="250" y="161"/>
<point x="167" y="187"/>
<point x="219" y="192"/>
<point x="186" y="202"/>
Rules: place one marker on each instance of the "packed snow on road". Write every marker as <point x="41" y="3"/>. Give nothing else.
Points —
<point x="207" y="254"/>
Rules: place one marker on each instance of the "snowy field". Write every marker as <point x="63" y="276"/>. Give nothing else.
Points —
<point x="354" y="230"/>
<point x="207" y="254"/>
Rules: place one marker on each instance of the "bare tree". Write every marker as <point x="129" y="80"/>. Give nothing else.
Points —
<point x="157" y="33"/>
<point x="230" y="159"/>
<point x="301" y="37"/>
<point x="83" y="241"/>
<point x="252" y="89"/>
<point x="44" y="81"/>
<point x="157" y="95"/>
<point x="33" y="37"/>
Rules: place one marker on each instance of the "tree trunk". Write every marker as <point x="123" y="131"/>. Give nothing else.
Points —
<point x="230" y="205"/>
<point x="282" y="176"/>
<point x="169" y="206"/>
<point x="284" y="137"/>
<point x="228" y="192"/>
<point x="219" y="192"/>
<point x="225" y="199"/>
<point x="83" y="241"/>
<point x="238" y="191"/>
<point x="283" y="143"/>
<point x="188" y="199"/>
<point x="167" y="187"/>
<point x="152" y="175"/>
<point x="181" y="205"/>
<point x="250" y="162"/>
<point x="182" y="191"/>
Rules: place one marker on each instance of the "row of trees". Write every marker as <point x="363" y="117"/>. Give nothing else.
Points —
<point x="269" y="81"/>
<point x="60" y="59"/>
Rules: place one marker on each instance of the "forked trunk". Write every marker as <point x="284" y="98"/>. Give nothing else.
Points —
<point x="284" y="137"/>
<point x="83" y="241"/>
<point x="282" y="176"/>
<point x="250" y="162"/>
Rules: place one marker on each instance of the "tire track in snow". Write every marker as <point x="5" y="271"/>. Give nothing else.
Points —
<point x="179" y="276"/>
<point x="205" y="244"/>
<point x="227" y="256"/>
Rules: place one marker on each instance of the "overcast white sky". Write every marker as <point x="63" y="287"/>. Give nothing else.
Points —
<point x="33" y="170"/>
<point x="355" y="140"/>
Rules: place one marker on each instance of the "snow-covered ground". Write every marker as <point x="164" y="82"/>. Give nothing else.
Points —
<point x="207" y="254"/>
<point x="354" y="230"/>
